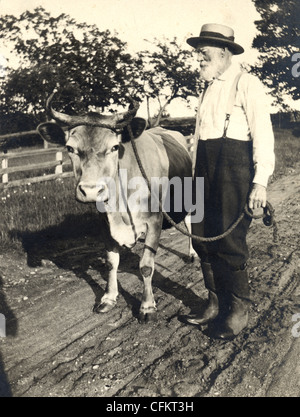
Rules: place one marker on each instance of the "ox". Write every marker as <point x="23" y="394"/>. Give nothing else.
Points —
<point x="99" y="147"/>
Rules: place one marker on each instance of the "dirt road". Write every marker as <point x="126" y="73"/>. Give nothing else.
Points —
<point x="56" y="346"/>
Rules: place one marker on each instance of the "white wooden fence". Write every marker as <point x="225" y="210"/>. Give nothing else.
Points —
<point x="26" y="161"/>
<point x="30" y="160"/>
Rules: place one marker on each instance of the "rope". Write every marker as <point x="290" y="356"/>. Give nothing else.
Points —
<point x="267" y="215"/>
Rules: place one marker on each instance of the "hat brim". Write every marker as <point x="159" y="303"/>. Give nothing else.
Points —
<point x="235" y="48"/>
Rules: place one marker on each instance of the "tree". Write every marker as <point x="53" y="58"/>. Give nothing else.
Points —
<point x="278" y="41"/>
<point x="57" y="51"/>
<point x="168" y="74"/>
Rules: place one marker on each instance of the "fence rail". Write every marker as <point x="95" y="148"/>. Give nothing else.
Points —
<point x="27" y="161"/>
<point x="32" y="160"/>
<point x="18" y="135"/>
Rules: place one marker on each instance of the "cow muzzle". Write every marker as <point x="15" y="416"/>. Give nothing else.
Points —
<point x="88" y="192"/>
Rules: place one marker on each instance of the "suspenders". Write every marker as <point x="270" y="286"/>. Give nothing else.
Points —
<point x="229" y="108"/>
<point x="230" y="103"/>
<point x="197" y="127"/>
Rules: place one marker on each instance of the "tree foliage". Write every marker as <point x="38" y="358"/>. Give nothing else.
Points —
<point x="91" y="67"/>
<point x="277" y="41"/>
<point x="57" y="51"/>
<point x="168" y="74"/>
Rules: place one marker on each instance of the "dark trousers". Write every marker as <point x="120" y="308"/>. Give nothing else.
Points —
<point x="227" y="168"/>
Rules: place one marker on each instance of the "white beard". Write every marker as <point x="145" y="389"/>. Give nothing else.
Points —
<point x="208" y="72"/>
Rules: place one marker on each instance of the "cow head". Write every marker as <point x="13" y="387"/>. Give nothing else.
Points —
<point x="94" y="143"/>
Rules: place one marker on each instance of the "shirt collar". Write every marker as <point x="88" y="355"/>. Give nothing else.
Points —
<point x="231" y="71"/>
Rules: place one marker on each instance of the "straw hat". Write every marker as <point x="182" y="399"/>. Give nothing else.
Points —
<point x="216" y="35"/>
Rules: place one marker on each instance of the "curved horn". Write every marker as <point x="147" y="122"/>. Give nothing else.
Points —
<point x="59" y="117"/>
<point x="110" y="122"/>
<point x="91" y="120"/>
<point x="123" y="119"/>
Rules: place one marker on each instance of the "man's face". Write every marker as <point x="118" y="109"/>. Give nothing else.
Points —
<point x="211" y="62"/>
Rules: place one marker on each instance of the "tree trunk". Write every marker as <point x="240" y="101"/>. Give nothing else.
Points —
<point x="161" y="110"/>
<point x="148" y="112"/>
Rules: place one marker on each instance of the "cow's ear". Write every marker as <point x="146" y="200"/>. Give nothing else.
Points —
<point x="52" y="133"/>
<point x="138" y="125"/>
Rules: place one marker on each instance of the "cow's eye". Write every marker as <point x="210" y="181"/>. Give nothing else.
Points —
<point x="115" y="148"/>
<point x="70" y="149"/>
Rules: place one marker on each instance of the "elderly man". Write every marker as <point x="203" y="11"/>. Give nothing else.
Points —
<point x="235" y="155"/>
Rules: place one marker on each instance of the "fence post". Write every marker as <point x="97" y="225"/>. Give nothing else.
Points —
<point x="190" y="143"/>
<point x="59" y="157"/>
<point x="4" y="166"/>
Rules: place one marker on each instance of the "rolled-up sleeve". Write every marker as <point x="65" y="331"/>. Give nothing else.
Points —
<point x="257" y="110"/>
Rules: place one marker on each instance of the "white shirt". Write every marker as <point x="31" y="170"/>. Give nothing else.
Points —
<point x="249" y="120"/>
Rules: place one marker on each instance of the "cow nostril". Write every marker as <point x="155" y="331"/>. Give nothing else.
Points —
<point x="102" y="193"/>
<point x="82" y="190"/>
<point x="100" y="190"/>
<point x="91" y="192"/>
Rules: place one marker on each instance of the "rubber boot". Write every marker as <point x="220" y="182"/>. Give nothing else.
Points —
<point x="236" y="319"/>
<point x="212" y="309"/>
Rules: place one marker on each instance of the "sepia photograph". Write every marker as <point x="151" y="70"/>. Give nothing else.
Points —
<point x="149" y="201"/>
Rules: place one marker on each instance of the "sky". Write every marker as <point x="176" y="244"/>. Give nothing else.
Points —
<point x="136" y="20"/>
<point x="139" y="21"/>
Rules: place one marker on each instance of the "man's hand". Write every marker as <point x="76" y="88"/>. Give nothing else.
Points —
<point x="258" y="197"/>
